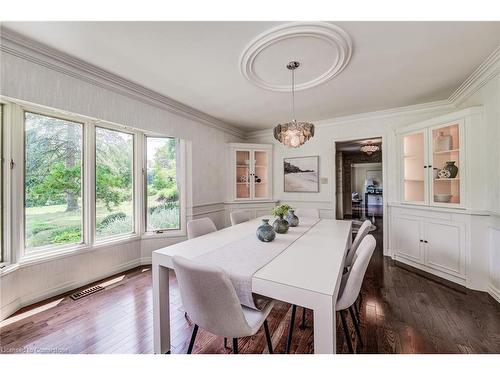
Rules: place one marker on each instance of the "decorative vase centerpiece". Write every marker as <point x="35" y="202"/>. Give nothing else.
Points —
<point x="280" y="225"/>
<point x="292" y="219"/>
<point x="450" y="166"/>
<point x="443" y="142"/>
<point x="265" y="232"/>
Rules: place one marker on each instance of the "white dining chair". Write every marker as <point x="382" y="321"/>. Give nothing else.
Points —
<point x="199" y="227"/>
<point x="362" y="232"/>
<point x="238" y="217"/>
<point x="349" y="292"/>
<point x="210" y="300"/>
<point x="307" y="212"/>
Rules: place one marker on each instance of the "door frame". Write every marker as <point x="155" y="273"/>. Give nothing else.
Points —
<point x="384" y="137"/>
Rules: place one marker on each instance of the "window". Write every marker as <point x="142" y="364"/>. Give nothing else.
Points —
<point x="162" y="190"/>
<point x="114" y="187"/>
<point x="53" y="213"/>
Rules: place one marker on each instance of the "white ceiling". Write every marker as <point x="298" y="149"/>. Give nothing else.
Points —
<point x="393" y="64"/>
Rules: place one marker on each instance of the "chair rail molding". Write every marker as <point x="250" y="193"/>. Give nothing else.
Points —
<point x="30" y="50"/>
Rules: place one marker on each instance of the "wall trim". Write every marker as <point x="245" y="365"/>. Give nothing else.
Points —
<point x="30" y="50"/>
<point x="397" y="111"/>
<point x="488" y="69"/>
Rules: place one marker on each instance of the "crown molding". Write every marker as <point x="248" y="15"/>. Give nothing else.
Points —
<point x="335" y="121"/>
<point x="487" y="70"/>
<point x="30" y="50"/>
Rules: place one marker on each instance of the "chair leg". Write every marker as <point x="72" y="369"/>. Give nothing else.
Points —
<point x="268" y="337"/>
<point x="346" y="331"/>
<point x="356" y="325"/>
<point x="225" y="343"/>
<point x="303" y="324"/>
<point x="193" y="337"/>
<point x="290" y="330"/>
<point x="356" y="310"/>
<point x="235" y="346"/>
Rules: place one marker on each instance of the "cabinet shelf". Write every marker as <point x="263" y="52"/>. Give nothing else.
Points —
<point x="446" y="152"/>
<point x="447" y="179"/>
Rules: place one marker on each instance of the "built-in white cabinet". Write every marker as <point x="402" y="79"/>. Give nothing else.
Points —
<point x="432" y="241"/>
<point x="251" y="172"/>
<point x="432" y="167"/>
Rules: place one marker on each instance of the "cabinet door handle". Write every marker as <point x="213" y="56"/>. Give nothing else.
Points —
<point x="425" y="166"/>
<point x="429" y="166"/>
<point x="425" y="241"/>
<point x="421" y="240"/>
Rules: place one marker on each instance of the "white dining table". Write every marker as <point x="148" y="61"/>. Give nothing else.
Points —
<point x="307" y="273"/>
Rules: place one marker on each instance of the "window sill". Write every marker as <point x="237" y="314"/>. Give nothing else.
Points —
<point x="166" y="234"/>
<point x="8" y="269"/>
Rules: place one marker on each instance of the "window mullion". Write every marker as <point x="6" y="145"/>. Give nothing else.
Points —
<point x="89" y="213"/>
<point x="139" y="183"/>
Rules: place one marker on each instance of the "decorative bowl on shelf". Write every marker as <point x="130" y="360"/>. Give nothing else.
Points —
<point x="442" y="198"/>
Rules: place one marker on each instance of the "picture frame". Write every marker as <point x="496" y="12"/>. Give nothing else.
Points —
<point x="301" y="174"/>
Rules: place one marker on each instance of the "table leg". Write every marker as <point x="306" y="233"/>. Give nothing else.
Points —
<point x="161" y="309"/>
<point x="325" y="335"/>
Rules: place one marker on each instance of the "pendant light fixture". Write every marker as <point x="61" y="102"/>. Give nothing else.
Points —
<point x="369" y="148"/>
<point x="294" y="133"/>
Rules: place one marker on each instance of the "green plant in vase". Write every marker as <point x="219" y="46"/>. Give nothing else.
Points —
<point x="280" y="225"/>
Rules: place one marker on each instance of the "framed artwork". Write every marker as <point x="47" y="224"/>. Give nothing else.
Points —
<point x="301" y="174"/>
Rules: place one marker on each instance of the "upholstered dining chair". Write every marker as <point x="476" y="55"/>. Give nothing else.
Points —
<point x="307" y="212"/>
<point x="349" y="292"/>
<point x="362" y="232"/>
<point x="199" y="227"/>
<point x="238" y="217"/>
<point x="210" y="300"/>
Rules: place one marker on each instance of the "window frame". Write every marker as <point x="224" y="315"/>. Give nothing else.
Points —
<point x="84" y="216"/>
<point x="180" y="160"/>
<point x="134" y="134"/>
<point x="15" y="254"/>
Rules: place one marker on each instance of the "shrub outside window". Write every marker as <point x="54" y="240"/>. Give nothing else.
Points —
<point x="162" y="190"/>
<point x="114" y="183"/>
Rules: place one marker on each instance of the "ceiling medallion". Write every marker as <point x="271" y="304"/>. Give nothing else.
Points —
<point x="294" y="133"/>
<point x="369" y="148"/>
<point x="337" y="43"/>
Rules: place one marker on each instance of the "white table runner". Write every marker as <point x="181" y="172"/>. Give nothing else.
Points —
<point x="242" y="258"/>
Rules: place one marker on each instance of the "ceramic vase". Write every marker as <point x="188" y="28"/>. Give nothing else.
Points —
<point x="452" y="168"/>
<point x="292" y="219"/>
<point x="443" y="142"/>
<point x="265" y="232"/>
<point x="280" y="225"/>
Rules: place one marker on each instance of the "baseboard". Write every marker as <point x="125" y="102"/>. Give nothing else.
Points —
<point x="494" y="292"/>
<point x="145" y="261"/>
<point x="66" y="287"/>
<point x="9" y="309"/>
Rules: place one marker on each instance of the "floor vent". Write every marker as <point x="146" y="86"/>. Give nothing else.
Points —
<point x="86" y="292"/>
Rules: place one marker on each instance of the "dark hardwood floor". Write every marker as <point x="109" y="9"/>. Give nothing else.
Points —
<point x="403" y="312"/>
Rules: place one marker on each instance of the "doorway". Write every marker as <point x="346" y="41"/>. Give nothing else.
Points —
<point x="359" y="180"/>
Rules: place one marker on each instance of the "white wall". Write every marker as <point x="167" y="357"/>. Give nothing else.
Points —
<point x="489" y="97"/>
<point x="28" y="80"/>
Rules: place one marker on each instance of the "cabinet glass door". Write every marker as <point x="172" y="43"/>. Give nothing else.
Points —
<point x="413" y="168"/>
<point x="260" y="174"/>
<point x="445" y="156"/>
<point x="242" y="174"/>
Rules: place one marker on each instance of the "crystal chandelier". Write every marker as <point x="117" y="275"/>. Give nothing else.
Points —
<point x="369" y="148"/>
<point x="294" y="133"/>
